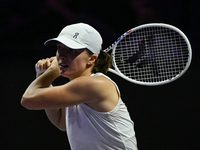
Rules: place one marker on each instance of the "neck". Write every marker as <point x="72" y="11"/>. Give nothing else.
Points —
<point x="87" y="72"/>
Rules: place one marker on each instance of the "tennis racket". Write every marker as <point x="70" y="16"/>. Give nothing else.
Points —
<point x="151" y="54"/>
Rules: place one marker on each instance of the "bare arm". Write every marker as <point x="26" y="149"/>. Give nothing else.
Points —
<point x="41" y="82"/>
<point x="56" y="116"/>
<point x="80" y="90"/>
<point x="85" y="89"/>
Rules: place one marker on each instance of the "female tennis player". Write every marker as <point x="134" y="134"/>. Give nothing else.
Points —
<point x="89" y="107"/>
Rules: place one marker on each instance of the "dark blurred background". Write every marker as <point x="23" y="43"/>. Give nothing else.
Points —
<point x="166" y="117"/>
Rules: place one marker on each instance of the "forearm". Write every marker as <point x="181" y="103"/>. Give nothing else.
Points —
<point x="36" y="87"/>
<point x="46" y="78"/>
<point x="43" y="81"/>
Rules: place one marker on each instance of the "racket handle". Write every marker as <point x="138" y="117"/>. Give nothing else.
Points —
<point x="38" y="71"/>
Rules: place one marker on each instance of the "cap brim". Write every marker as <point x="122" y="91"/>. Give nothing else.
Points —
<point x="66" y="41"/>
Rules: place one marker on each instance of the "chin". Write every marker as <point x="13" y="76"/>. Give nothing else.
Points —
<point x="65" y="74"/>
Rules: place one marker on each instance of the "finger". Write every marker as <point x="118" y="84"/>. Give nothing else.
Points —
<point x="38" y="63"/>
<point x="48" y="63"/>
<point x="42" y="64"/>
<point x="52" y="58"/>
<point x="41" y="67"/>
<point x="45" y="65"/>
<point x="54" y="62"/>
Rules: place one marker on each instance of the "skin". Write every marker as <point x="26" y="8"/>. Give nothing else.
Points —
<point x="77" y="66"/>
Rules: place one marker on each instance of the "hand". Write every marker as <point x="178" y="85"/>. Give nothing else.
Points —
<point x="44" y="64"/>
<point x="54" y="62"/>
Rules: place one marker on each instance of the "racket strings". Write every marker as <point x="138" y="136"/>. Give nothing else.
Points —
<point x="152" y="54"/>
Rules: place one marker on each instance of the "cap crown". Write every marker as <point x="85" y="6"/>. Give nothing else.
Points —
<point x="80" y="35"/>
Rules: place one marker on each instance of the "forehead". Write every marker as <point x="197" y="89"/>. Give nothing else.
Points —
<point x="62" y="45"/>
<point x="66" y="47"/>
<point x="63" y="49"/>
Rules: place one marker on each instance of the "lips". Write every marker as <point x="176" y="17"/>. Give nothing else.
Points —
<point x="63" y="66"/>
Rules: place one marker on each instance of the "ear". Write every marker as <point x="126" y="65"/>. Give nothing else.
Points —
<point x="92" y="59"/>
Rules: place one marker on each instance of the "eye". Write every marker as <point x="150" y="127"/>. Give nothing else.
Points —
<point x="72" y="50"/>
<point x="59" y="47"/>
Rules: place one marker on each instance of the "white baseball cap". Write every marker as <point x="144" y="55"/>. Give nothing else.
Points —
<point x="79" y="36"/>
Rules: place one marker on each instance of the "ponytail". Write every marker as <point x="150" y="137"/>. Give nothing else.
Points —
<point x="103" y="63"/>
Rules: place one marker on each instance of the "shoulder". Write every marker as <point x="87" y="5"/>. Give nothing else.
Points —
<point x="96" y="86"/>
<point x="91" y="82"/>
<point x="102" y="92"/>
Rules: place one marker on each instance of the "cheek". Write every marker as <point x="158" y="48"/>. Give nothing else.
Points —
<point x="82" y="59"/>
<point x="81" y="63"/>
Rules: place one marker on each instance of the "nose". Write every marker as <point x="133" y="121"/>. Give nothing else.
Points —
<point x="62" y="58"/>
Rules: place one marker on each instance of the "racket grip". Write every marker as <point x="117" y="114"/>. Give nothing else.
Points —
<point x="38" y="71"/>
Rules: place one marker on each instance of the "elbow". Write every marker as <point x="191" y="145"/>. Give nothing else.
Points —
<point x="26" y="102"/>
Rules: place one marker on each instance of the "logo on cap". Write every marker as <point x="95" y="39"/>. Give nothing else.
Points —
<point x="76" y="35"/>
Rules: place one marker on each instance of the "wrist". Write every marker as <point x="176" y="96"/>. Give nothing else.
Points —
<point x="53" y="71"/>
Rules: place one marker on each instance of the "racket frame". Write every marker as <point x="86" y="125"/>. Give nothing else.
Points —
<point x="118" y="72"/>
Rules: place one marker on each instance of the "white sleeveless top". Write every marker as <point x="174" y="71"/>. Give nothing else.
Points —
<point x="88" y="129"/>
